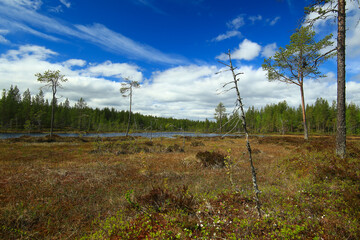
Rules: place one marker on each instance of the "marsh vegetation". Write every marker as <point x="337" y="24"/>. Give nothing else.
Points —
<point x="134" y="188"/>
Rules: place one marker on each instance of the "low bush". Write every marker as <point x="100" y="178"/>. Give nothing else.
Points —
<point x="161" y="199"/>
<point x="197" y="144"/>
<point x="174" y="148"/>
<point x="211" y="159"/>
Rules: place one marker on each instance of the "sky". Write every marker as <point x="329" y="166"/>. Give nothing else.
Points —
<point x="172" y="47"/>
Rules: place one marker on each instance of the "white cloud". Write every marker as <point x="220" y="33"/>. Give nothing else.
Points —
<point x="183" y="92"/>
<point x="269" y="50"/>
<point x="74" y="62"/>
<point x="228" y="34"/>
<point x="18" y="66"/>
<point x="15" y="17"/>
<point x="247" y="50"/>
<point x="4" y="31"/>
<point x="353" y="30"/>
<point x="116" y="42"/>
<point x="117" y="70"/>
<point x="3" y="40"/>
<point x="236" y="23"/>
<point x="19" y="27"/>
<point x="233" y="25"/>
<point x="326" y="26"/>
<point x="273" y="21"/>
<point x="31" y="4"/>
<point x="25" y="51"/>
<point x="66" y="3"/>
<point x="56" y="9"/>
<point x="253" y="19"/>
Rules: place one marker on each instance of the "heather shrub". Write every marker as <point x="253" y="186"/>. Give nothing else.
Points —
<point x="211" y="159"/>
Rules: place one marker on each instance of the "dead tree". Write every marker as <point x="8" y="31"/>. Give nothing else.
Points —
<point x="239" y="106"/>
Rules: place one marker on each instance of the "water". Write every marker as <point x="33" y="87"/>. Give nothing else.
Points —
<point x="147" y="134"/>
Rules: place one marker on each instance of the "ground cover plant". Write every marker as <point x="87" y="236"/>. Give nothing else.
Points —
<point x="134" y="188"/>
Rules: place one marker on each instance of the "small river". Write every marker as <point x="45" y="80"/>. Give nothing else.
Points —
<point x="147" y="134"/>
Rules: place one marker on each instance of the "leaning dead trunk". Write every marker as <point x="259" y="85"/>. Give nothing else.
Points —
<point x="242" y="116"/>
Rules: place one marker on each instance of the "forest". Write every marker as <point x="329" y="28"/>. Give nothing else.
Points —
<point x="26" y="113"/>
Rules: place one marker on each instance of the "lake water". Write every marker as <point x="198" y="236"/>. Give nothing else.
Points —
<point x="148" y="135"/>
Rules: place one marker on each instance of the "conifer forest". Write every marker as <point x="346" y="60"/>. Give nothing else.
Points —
<point x="27" y="113"/>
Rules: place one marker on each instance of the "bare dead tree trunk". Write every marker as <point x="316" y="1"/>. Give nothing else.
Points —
<point x="341" y="114"/>
<point x="242" y="116"/>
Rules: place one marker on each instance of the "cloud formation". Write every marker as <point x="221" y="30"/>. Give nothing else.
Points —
<point x="66" y="3"/>
<point x="188" y="91"/>
<point x="228" y="34"/>
<point x="247" y="50"/>
<point x="274" y="21"/>
<point x="21" y="15"/>
<point x="328" y="25"/>
<point x="269" y="50"/>
<point x="117" y="70"/>
<point x="233" y="31"/>
<point x="3" y="40"/>
<point x="253" y="19"/>
<point x="236" y="23"/>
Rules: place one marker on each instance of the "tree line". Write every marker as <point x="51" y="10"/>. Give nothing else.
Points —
<point x="24" y="112"/>
<point x="321" y="118"/>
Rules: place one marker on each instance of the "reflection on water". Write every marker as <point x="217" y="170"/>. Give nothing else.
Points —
<point x="147" y="134"/>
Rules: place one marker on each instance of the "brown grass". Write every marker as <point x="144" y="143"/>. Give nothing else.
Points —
<point x="66" y="189"/>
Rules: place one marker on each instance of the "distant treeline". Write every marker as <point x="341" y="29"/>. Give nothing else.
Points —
<point x="21" y="112"/>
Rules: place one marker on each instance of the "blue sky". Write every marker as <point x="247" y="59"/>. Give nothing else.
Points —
<point x="171" y="46"/>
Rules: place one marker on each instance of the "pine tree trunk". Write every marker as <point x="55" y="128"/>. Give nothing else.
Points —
<point x="128" y="126"/>
<point x="306" y="136"/>
<point x="341" y="117"/>
<point x="52" y="116"/>
<point x="220" y="124"/>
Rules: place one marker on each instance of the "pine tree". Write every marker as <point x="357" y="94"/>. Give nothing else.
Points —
<point x="127" y="91"/>
<point x="324" y="8"/>
<point x="52" y="79"/>
<point x="220" y="114"/>
<point x="297" y="61"/>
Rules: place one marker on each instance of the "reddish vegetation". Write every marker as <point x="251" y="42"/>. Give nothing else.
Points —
<point x="133" y="188"/>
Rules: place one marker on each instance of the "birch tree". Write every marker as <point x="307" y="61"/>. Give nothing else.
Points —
<point x="298" y="60"/>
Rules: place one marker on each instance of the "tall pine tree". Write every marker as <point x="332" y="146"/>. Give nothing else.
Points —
<point x="298" y="60"/>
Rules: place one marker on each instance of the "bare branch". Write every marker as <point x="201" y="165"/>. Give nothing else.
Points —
<point x="323" y="55"/>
